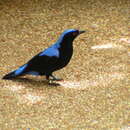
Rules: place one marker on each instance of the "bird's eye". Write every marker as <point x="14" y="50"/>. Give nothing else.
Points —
<point x="75" y="33"/>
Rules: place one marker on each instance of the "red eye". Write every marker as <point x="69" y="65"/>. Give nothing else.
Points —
<point x="75" y="33"/>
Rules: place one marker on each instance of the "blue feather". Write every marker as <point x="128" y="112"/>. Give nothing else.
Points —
<point x="33" y="73"/>
<point x="52" y="51"/>
<point x="39" y="65"/>
<point x="20" y="70"/>
<point x="59" y="41"/>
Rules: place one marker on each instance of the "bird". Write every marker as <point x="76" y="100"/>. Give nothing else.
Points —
<point x="54" y="58"/>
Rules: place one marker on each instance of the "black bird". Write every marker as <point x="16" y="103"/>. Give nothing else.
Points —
<point x="51" y="59"/>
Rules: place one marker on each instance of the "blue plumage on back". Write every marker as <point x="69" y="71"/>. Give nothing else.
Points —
<point x="59" y="41"/>
<point x="51" y="59"/>
<point x="52" y="51"/>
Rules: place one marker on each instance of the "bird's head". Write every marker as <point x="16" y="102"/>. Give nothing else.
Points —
<point x="69" y="35"/>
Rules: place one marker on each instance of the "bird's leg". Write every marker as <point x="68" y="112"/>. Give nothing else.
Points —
<point x="47" y="77"/>
<point x="55" y="78"/>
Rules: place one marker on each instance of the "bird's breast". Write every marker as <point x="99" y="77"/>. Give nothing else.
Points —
<point x="65" y="56"/>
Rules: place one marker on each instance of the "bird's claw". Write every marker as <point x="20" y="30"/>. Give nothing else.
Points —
<point x="55" y="78"/>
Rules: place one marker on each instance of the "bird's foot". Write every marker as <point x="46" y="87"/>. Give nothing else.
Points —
<point x="55" y="78"/>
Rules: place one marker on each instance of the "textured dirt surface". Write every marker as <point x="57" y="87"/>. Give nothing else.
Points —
<point x="95" y="93"/>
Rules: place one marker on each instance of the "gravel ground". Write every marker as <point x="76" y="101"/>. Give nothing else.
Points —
<point x="95" y="93"/>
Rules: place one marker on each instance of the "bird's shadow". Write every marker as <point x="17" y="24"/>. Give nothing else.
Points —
<point x="35" y="82"/>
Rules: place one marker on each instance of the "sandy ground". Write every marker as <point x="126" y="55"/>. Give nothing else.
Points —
<point x="95" y="93"/>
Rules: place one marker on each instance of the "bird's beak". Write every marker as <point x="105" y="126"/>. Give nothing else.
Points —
<point x="80" y="32"/>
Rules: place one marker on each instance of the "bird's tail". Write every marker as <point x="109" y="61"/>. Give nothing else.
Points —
<point x="20" y="71"/>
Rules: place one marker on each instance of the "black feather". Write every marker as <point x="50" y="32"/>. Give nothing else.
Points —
<point x="51" y="59"/>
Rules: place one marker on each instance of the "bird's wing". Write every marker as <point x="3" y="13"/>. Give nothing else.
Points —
<point x="43" y="61"/>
